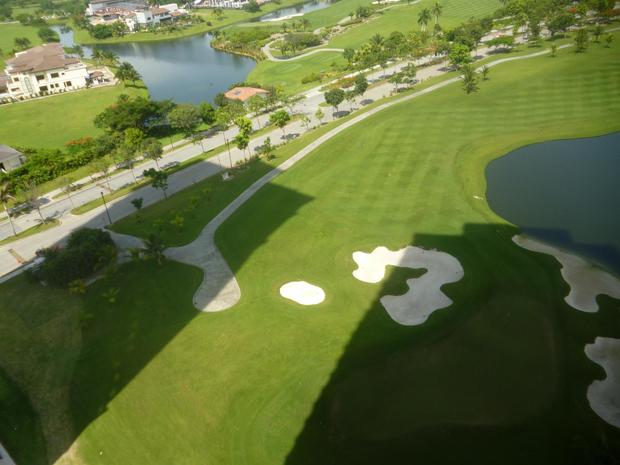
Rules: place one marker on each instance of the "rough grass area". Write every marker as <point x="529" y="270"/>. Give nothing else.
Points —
<point x="51" y="122"/>
<point x="498" y="377"/>
<point x="32" y="230"/>
<point x="400" y="17"/>
<point x="8" y="34"/>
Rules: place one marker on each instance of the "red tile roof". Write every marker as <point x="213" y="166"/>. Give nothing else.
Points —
<point x="243" y="93"/>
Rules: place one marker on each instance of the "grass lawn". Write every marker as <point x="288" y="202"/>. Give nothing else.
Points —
<point x="52" y="121"/>
<point x="230" y="17"/>
<point x="8" y="34"/>
<point x="289" y="75"/>
<point x="404" y="18"/>
<point x="401" y="17"/>
<point x="30" y="231"/>
<point x="498" y="377"/>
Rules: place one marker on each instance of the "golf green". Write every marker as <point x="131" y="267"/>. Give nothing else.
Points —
<point x="499" y="376"/>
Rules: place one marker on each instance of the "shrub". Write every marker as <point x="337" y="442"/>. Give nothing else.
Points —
<point x="87" y="251"/>
<point x="312" y="78"/>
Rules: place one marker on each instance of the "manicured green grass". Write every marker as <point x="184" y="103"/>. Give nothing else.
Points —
<point x="30" y="231"/>
<point x="498" y="377"/>
<point x="290" y="74"/>
<point x="8" y="34"/>
<point x="230" y="17"/>
<point x="53" y="121"/>
<point x="40" y="344"/>
<point x="401" y="17"/>
<point x="404" y="18"/>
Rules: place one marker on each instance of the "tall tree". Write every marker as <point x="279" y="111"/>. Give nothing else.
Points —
<point x="159" y="178"/>
<point x="5" y="197"/>
<point x="280" y="118"/>
<point x="152" y="150"/>
<point x="423" y="18"/>
<point x="437" y="9"/>
<point x="334" y="97"/>
<point x="185" y="118"/>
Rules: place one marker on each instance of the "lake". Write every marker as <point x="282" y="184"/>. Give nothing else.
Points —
<point x="296" y="10"/>
<point x="563" y="192"/>
<point x="184" y="70"/>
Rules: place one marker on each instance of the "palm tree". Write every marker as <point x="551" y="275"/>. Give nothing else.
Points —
<point x="5" y="196"/>
<point x="437" y="10"/>
<point x="98" y="56"/>
<point x="126" y="72"/>
<point x="424" y="17"/>
<point x="112" y="57"/>
<point x="154" y="248"/>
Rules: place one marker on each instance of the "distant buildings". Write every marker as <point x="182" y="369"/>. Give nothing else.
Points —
<point x="42" y="70"/>
<point x="135" y="14"/>
<point x="244" y="93"/>
<point x="129" y="5"/>
<point x="10" y="158"/>
<point x="231" y="4"/>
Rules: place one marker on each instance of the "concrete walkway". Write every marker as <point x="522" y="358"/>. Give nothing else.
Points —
<point x="267" y="51"/>
<point x="122" y="207"/>
<point x="5" y="458"/>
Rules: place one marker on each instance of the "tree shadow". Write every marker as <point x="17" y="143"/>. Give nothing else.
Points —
<point x="130" y="315"/>
<point x="499" y="376"/>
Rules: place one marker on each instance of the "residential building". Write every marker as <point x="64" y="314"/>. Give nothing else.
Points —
<point x="129" y="5"/>
<point x="10" y="158"/>
<point x="244" y="93"/>
<point x="42" y="70"/>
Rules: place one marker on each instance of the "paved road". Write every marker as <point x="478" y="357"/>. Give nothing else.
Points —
<point x="24" y="249"/>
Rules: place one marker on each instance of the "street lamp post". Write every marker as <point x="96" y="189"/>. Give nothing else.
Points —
<point x="106" y="208"/>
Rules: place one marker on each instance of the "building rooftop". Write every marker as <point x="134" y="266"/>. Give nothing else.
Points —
<point x="7" y="152"/>
<point x="159" y="11"/>
<point x="243" y="93"/>
<point x="41" y="58"/>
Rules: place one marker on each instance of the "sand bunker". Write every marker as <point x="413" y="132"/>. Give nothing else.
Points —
<point x="604" y="395"/>
<point x="424" y="295"/>
<point x="585" y="280"/>
<point x="303" y="293"/>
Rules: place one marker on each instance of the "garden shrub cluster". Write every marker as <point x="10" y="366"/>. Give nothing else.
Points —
<point x="87" y="251"/>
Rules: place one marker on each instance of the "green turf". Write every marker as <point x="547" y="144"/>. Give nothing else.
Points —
<point x="32" y="230"/>
<point x="39" y="346"/>
<point x="53" y="121"/>
<point x="400" y="17"/>
<point x="498" y="377"/>
<point x="404" y="18"/>
<point x="8" y="34"/>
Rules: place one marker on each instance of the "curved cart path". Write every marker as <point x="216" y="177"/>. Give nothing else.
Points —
<point x="267" y="51"/>
<point x="219" y="289"/>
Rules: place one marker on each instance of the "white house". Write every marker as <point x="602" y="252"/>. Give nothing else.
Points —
<point x="43" y="70"/>
<point x="153" y="16"/>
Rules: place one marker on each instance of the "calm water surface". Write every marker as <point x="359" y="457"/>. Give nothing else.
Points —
<point x="564" y="192"/>
<point x="184" y="70"/>
<point x="295" y="10"/>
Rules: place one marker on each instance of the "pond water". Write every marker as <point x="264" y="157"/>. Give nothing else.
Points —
<point x="184" y="70"/>
<point x="563" y="192"/>
<point x="296" y="10"/>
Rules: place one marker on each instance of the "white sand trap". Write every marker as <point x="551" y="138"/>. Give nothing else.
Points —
<point x="424" y="295"/>
<point x="303" y="293"/>
<point x="604" y="395"/>
<point x="586" y="281"/>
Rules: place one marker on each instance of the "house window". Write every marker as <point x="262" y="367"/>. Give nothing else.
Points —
<point x="15" y="79"/>
<point x="54" y="75"/>
<point x="43" y="89"/>
<point x="40" y="77"/>
<point x="67" y="83"/>
<point x="15" y="89"/>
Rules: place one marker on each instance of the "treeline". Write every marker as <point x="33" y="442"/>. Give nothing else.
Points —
<point x="133" y="128"/>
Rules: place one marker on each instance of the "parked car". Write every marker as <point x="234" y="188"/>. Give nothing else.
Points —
<point x="172" y="164"/>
